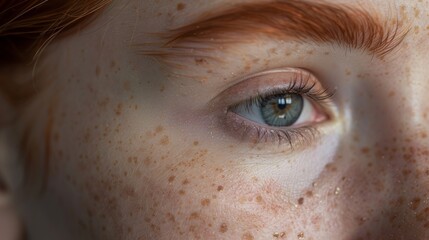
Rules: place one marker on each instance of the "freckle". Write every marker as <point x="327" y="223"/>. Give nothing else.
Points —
<point x="223" y="228"/>
<point x="331" y="167"/>
<point x="273" y="51"/>
<point x="361" y="220"/>
<point x="159" y="129"/>
<point x="423" y="215"/>
<point x="406" y="172"/>
<point x="310" y="52"/>
<point x="201" y="61"/>
<point x="112" y="64"/>
<point x="247" y="236"/>
<point x="128" y="192"/>
<point x="171" y="178"/>
<point x="423" y="135"/>
<point x="219" y="188"/>
<point x="118" y="109"/>
<point x="196" y="143"/>
<point x="348" y="72"/>
<point x="365" y="150"/>
<point x="414" y="204"/>
<point x="193" y="216"/>
<point x="97" y="71"/>
<point x="171" y="217"/>
<point x="309" y="194"/>
<point x="205" y="202"/>
<point x="164" y="140"/>
<point x="259" y="199"/>
<point x="301" y="201"/>
<point x="279" y="234"/>
<point x="181" y="192"/>
<point x="301" y="235"/>
<point x="392" y="93"/>
<point x="162" y="88"/>
<point x="326" y="53"/>
<point x="180" y="6"/>
<point x="416" y="12"/>
<point x="185" y="182"/>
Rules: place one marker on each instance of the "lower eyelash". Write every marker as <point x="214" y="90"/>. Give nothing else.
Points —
<point x="294" y="137"/>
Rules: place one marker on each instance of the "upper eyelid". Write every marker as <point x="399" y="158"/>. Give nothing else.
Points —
<point x="288" y="75"/>
<point x="266" y="82"/>
<point x="321" y="96"/>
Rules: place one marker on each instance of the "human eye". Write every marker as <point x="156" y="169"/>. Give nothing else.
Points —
<point x="282" y="105"/>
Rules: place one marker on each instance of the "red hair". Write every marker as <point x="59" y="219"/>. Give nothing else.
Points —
<point x="27" y="26"/>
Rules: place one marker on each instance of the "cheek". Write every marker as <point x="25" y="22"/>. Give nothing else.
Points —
<point x="117" y="185"/>
<point x="116" y="181"/>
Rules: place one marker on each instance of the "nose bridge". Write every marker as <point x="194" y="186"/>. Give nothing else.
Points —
<point x="396" y="107"/>
<point x="406" y="116"/>
<point x="398" y="127"/>
<point x="397" y="131"/>
<point x="390" y="175"/>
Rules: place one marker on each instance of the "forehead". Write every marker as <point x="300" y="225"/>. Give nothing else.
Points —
<point x="137" y="17"/>
<point x="175" y="13"/>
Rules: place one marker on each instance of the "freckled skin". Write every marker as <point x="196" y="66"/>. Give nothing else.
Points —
<point x="133" y="152"/>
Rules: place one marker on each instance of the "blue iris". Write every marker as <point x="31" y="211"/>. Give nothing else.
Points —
<point x="282" y="110"/>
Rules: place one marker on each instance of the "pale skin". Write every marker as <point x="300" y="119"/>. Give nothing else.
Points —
<point x="137" y="150"/>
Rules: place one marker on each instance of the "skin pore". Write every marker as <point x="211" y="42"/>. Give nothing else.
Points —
<point x="128" y="138"/>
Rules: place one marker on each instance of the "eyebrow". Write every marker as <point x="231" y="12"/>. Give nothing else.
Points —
<point x="303" y="21"/>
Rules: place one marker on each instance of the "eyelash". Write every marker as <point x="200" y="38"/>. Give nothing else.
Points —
<point x="298" y="85"/>
<point x="292" y="135"/>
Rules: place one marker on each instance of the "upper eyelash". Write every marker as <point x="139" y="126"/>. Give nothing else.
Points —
<point x="299" y="85"/>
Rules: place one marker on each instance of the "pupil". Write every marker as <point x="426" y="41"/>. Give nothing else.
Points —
<point x="281" y="103"/>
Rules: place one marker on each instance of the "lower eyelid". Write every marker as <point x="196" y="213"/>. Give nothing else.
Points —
<point x="247" y="131"/>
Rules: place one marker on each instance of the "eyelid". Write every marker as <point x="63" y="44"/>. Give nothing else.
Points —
<point x="269" y="83"/>
<point x="263" y="82"/>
